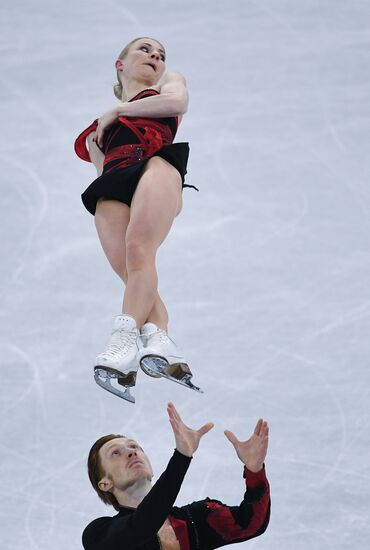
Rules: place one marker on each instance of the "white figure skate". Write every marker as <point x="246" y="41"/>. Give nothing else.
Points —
<point x="118" y="362"/>
<point x="160" y="357"/>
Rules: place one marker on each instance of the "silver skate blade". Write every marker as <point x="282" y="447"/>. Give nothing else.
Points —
<point x="103" y="378"/>
<point x="178" y="372"/>
<point x="150" y="372"/>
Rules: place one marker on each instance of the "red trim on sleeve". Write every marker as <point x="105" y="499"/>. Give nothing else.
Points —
<point x="254" y="479"/>
<point x="181" y="531"/>
<point x="80" y="143"/>
<point x="221" y="519"/>
<point x="144" y="93"/>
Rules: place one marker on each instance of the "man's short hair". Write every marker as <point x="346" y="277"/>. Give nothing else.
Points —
<point x="96" y="472"/>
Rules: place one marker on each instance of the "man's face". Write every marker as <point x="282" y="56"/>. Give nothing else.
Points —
<point x="123" y="462"/>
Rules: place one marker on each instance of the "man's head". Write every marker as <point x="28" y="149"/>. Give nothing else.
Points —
<point x="114" y="464"/>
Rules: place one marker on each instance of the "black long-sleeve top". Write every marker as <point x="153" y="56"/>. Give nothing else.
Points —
<point x="201" y="525"/>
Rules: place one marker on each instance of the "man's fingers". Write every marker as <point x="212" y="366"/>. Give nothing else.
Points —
<point x="174" y="416"/>
<point x="204" y="429"/>
<point x="257" y="429"/>
<point x="174" y="425"/>
<point x="170" y="411"/>
<point x="265" y="429"/>
<point x="174" y="410"/>
<point x="231" y="437"/>
<point x="171" y="407"/>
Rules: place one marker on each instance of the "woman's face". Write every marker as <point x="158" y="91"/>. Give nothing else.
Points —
<point x="145" y="61"/>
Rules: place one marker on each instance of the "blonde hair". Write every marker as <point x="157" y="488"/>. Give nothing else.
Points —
<point x="117" y="88"/>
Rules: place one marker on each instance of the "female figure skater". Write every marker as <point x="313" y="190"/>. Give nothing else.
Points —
<point x="135" y="199"/>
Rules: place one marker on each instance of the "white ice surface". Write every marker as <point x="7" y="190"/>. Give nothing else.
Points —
<point x="266" y="272"/>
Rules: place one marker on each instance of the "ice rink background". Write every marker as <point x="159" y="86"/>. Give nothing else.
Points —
<point x="266" y="271"/>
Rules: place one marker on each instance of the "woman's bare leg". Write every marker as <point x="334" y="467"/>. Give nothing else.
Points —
<point x="111" y="220"/>
<point x="156" y="202"/>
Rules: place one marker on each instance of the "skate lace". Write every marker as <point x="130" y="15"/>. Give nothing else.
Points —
<point x="120" y="343"/>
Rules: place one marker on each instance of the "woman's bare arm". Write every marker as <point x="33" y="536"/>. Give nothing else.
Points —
<point x="96" y="156"/>
<point x="171" y="101"/>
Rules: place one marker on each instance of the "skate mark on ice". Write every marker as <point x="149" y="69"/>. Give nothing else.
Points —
<point x="338" y="410"/>
<point x="35" y="213"/>
<point x="34" y="383"/>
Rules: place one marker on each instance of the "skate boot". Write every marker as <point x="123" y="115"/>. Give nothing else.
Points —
<point x="160" y="357"/>
<point x="118" y="362"/>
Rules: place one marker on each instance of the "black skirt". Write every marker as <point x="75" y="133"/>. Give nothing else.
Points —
<point x="120" y="185"/>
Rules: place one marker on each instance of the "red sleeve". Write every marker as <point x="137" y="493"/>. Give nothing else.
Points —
<point x="255" y="479"/>
<point x="250" y="518"/>
<point x="80" y="143"/>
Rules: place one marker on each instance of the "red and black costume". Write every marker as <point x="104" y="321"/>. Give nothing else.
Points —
<point x="201" y="525"/>
<point x="127" y="145"/>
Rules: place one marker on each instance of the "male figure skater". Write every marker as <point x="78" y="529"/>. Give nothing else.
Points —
<point x="121" y="473"/>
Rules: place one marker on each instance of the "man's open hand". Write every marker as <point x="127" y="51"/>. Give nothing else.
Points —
<point x="187" y="439"/>
<point x="253" y="451"/>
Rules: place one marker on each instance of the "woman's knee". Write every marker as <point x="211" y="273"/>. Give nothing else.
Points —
<point x="139" y="254"/>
